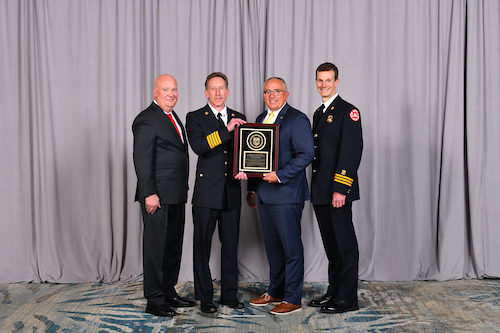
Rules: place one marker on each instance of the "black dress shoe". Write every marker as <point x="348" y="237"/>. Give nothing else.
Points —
<point x="179" y="302"/>
<point x="208" y="307"/>
<point x="319" y="302"/>
<point x="233" y="304"/>
<point x="160" y="310"/>
<point x="340" y="307"/>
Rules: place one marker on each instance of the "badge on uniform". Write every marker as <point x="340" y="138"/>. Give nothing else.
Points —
<point x="354" y="115"/>
<point x="206" y="113"/>
<point x="329" y="119"/>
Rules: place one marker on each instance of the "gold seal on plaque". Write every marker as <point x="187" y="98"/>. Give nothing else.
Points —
<point x="256" y="140"/>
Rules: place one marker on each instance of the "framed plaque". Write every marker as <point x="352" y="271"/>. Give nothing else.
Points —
<point x="256" y="149"/>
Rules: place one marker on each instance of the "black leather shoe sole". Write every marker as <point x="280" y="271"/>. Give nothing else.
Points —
<point x="323" y="301"/>
<point x="178" y="302"/>
<point x="208" y="307"/>
<point x="340" y="307"/>
<point x="160" y="311"/>
<point x="233" y="304"/>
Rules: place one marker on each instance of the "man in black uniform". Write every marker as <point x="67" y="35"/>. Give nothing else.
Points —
<point x="339" y="143"/>
<point x="217" y="195"/>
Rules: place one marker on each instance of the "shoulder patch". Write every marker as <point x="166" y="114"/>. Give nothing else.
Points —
<point x="354" y="115"/>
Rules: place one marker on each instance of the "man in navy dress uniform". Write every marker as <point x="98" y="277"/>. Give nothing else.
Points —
<point x="338" y="145"/>
<point x="217" y="195"/>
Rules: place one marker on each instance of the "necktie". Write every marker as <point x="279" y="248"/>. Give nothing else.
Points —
<point x="318" y="115"/>
<point x="269" y="119"/>
<point x="219" y="119"/>
<point x="173" y="122"/>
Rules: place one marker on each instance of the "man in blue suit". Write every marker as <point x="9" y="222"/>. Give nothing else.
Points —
<point x="281" y="195"/>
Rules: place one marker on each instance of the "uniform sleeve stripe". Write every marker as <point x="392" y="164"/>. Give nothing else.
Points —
<point x="213" y="139"/>
<point x="343" y="180"/>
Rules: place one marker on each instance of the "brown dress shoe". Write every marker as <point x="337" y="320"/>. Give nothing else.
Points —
<point x="265" y="299"/>
<point x="286" y="308"/>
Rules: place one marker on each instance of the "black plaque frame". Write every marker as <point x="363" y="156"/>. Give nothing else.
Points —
<point x="256" y="149"/>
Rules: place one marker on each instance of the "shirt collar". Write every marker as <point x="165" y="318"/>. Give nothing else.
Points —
<point x="154" y="100"/>
<point x="277" y="111"/>
<point x="223" y="111"/>
<point x="328" y="102"/>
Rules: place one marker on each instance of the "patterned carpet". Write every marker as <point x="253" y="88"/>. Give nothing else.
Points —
<point x="418" y="306"/>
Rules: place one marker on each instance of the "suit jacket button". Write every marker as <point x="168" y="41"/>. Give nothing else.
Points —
<point x="316" y="135"/>
<point x="225" y="152"/>
<point x="225" y="162"/>
<point x="225" y="174"/>
<point x="201" y="175"/>
<point x="314" y="170"/>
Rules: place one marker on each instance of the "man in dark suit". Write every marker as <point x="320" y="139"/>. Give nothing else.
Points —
<point x="339" y="143"/>
<point x="161" y="165"/>
<point x="281" y="195"/>
<point x="217" y="195"/>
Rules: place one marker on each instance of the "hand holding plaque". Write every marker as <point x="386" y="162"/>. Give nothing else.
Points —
<point x="256" y="149"/>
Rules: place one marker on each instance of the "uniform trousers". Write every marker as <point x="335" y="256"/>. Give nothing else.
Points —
<point x="162" y="250"/>
<point x="341" y="247"/>
<point x="205" y="220"/>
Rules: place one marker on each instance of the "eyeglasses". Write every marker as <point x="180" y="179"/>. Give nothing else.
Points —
<point x="274" y="92"/>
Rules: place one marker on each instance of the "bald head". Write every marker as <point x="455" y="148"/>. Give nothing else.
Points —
<point x="165" y="92"/>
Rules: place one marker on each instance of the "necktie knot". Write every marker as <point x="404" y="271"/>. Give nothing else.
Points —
<point x="321" y="108"/>
<point x="270" y="118"/>
<point x="219" y="119"/>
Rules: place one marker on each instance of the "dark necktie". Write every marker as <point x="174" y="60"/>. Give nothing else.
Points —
<point x="318" y="115"/>
<point x="219" y="119"/>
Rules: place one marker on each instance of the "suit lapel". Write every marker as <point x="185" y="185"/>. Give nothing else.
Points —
<point x="183" y="132"/>
<point x="328" y="114"/>
<point x="211" y="117"/>
<point x="322" y="119"/>
<point x="282" y="114"/>
<point x="316" y="118"/>
<point x="163" y="117"/>
<point x="168" y="123"/>
<point x="260" y="118"/>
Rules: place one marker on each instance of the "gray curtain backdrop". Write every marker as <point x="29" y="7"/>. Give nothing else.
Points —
<point x="425" y="76"/>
